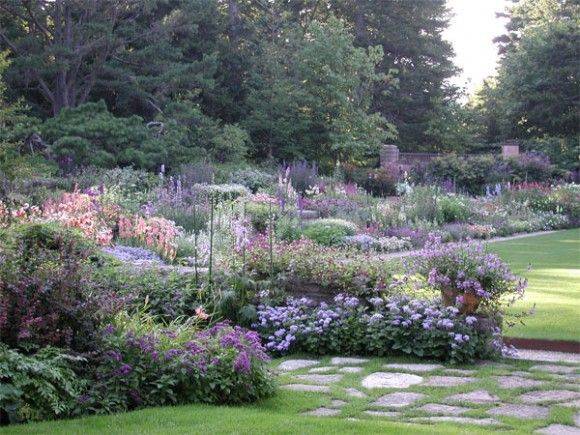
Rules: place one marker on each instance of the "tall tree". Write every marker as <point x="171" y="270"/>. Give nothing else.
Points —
<point x="536" y="92"/>
<point x="410" y="33"/>
<point x="62" y="50"/>
<point x="311" y="95"/>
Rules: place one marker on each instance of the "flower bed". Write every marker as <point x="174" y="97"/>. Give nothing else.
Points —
<point x="329" y="267"/>
<point x="143" y="364"/>
<point x="378" y="326"/>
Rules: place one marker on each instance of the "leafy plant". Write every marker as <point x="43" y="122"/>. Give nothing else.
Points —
<point x="145" y="364"/>
<point x="38" y="387"/>
<point x="329" y="232"/>
<point x="47" y="295"/>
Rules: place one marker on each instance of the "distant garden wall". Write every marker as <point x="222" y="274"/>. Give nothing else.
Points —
<point x="393" y="160"/>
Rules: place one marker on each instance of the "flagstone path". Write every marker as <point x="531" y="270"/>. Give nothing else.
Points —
<point x="427" y="393"/>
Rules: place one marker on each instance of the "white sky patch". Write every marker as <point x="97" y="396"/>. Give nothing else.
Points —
<point x="471" y="31"/>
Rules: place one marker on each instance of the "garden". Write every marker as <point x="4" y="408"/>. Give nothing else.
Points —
<point x="123" y="290"/>
<point x="205" y="225"/>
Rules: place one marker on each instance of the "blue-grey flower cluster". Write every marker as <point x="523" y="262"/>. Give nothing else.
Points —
<point x="378" y="326"/>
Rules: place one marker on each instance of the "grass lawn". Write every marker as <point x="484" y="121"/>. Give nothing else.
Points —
<point x="275" y="416"/>
<point x="282" y="413"/>
<point x="554" y="283"/>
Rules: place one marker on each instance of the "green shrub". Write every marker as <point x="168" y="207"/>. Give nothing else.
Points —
<point x="253" y="179"/>
<point x="90" y="135"/>
<point x="47" y="294"/>
<point x="288" y="229"/>
<point x="422" y="205"/>
<point x="260" y="214"/>
<point x="38" y="387"/>
<point x="454" y="208"/>
<point x="329" y="232"/>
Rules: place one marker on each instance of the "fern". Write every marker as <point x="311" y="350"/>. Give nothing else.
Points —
<point x="38" y="387"/>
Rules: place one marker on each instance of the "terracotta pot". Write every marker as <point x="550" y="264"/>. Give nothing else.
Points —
<point x="470" y="301"/>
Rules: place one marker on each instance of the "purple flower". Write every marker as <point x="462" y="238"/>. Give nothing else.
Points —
<point x="172" y="353"/>
<point x="124" y="370"/>
<point x="242" y="363"/>
<point x="114" y="355"/>
<point x="470" y="320"/>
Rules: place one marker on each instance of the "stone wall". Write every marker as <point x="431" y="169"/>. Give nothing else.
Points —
<point x="393" y="160"/>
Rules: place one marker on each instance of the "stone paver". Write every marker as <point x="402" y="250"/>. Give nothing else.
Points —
<point x="521" y="373"/>
<point x="461" y="420"/>
<point x="336" y="403"/>
<point x="525" y="412"/>
<point x="390" y="380"/>
<point x="353" y="392"/>
<point x="343" y="361"/>
<point x="552" y="368"/>
<point x="319" y="379"/>
<point x="322" y="412"/>
<point x="577" y="419"/>
<point x="460" y="372"/>
<point x="559" y="429"/>
<point x="547" y="356"/>
<point x="308" y="388"/>
<point x="438" y="408"/>
<point x="296" y="364"/>
<point x="322" y="369"/>
<point x="517" y="382"/>
<point x="572" y="404"/>
<point x="414" y="367"/>
<point x="479" y="396"/>
<point x="350" y="369"/>
<point x="384" y="414"/>
<point x="397" y="400"/>
<point x="447" y="381"/>
<point x="493" y="364"/>
<point x="549" y="396"/>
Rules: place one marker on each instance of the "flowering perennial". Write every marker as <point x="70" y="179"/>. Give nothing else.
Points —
<point x="163" y="366"/>
<point x="377" y="326"/>
<point x="157" y="233"/>
<point x="467" y="268"/>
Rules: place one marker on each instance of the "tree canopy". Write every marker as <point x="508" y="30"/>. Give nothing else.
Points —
<point x="320" y="80"/>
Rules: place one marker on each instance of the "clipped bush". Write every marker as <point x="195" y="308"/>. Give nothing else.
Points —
<point x="329" y="232"/>
<point x="221" y="192"/>
<point x="254" y="179"/>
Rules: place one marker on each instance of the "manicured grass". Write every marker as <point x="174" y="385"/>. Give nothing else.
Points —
<point x="282" y="413"/>
<point x="554" y="283"/>
<point x="278" y="415"/>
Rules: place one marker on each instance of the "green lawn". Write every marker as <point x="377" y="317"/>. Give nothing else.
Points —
<point x="282" y="414"/>
<point x="275" y="416"/>
<point x="554" y="283"/>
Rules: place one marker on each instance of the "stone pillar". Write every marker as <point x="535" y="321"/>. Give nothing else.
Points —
<point x="510" y="148"/>
<point x="389" y="155"/>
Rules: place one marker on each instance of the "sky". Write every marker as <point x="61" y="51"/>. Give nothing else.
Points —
<point x="471" y="31"/>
